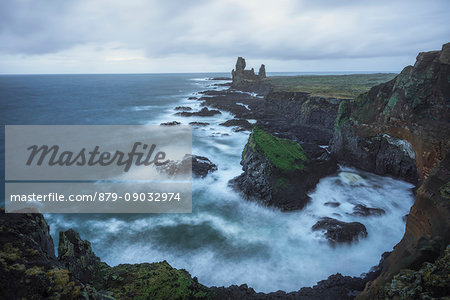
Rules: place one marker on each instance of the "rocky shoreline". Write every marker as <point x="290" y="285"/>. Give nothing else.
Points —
<point x="399" y="128"/>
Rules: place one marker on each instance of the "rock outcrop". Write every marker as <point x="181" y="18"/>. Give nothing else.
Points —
<point x="340" y="232"/>
<point x="199" y="165"/>
<point x="400" y="128"/>
<point x="204" y="112"/>
<point x="431" y="281"/>
<point x="77" y="256"/>
<point x="280" y="172"/>
<point x="29" y="268"/>
<point x="240" y="124"/>
<point x="247" y="80"/>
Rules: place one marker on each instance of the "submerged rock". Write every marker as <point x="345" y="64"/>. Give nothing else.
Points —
<point x="204" y="112"/>
<point x="183" y="108"/>
<point x="332" y="204"/>
<point x="279" y="172"/>
<point x="364" y="211"/>
<point x="341" y="232"/>
<point x="198" y="123"/>
<point x="200" y="166"/>
<point x="173" y="123"/>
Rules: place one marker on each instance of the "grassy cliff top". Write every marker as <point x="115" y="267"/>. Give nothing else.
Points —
<point x="336" y="86"/>
<point x="284" y="154"/>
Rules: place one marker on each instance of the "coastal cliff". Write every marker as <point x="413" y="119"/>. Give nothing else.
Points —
<point x="29" y="268"/>
<point x="401" y="128"/>
<point x="301" y="116"/>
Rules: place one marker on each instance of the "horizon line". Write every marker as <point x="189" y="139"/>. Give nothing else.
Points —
<point x="168" y="73"/>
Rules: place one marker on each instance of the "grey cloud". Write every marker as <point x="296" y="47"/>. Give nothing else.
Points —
<point x="296" y="30"/>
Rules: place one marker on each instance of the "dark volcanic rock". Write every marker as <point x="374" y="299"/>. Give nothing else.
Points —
<point x="332" y="204"/>
<point x="247" y="80"/>
<point x="200" y="166"/>
<point x="335" y="287"/>
<point x="262" y="72"/>
<point x="300" y="115"/>
<point x="241" y="123"/>
<point x="413" y="107"/>
<point x="431" y="281"/>
<point x="279" y="172"/>
<point x="192" y="98"/>
<point x="29" y="268"/>
<point x="183" y="108"/>
<point x="340" y="232"/>
<point x="400" y="127"/>
<point x="364" y="211"/>
<point x="198" y="123"/>
<point x="204" y="112"/>
<point x="173" y="123"/>
<point x="427" y="230"/>
<point x="227" y="100"/>
<point x="77" y="256"/>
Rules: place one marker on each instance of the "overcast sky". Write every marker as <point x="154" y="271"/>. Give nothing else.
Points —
<point x="147" y="36"/>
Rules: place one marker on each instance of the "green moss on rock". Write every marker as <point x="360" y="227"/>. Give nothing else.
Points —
<point x="284" y="154"/>
<point x="153" y="281"/>
<point x="445" y="191"/>
<point x="431" y="281"/>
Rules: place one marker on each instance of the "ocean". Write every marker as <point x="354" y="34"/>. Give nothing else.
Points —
<point x="226" y="239"/>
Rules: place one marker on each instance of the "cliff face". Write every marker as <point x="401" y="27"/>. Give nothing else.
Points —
<point x="308" y="118"/>
<point x="401" y="128"/>
<point x="402" y="125"/>
<point x="427" y="230"/>
<point x="279" y="172"/>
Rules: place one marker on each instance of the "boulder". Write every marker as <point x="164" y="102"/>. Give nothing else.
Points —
<point x="332" y="204"/>
<point x="364" y="211"/>
<point x="340" y="232"/>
